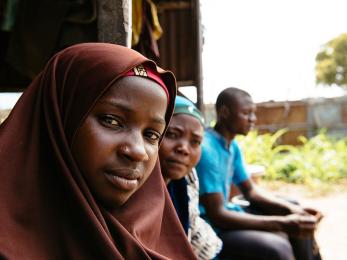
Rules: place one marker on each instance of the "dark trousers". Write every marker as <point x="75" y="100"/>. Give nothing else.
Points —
<point x="261" y="245"/>
<point x="255" y="245"/>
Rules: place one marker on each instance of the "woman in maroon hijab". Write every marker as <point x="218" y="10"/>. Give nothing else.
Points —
<point x="78" y="161"/>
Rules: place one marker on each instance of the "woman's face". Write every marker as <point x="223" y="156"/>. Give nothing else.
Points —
<point x="180" y="150"/>
<point x="116" y="147"/>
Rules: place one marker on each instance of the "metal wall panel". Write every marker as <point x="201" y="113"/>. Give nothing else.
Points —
<point x="180" y="44"/>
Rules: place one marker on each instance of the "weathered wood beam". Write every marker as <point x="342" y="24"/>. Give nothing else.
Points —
<point x="114" y="21"/>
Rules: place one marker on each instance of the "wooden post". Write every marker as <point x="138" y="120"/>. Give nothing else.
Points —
<point x="114" y="21"/>
<point x="199" y="42"/>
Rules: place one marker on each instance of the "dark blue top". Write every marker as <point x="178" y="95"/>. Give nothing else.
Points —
<point x="179" y="196"/>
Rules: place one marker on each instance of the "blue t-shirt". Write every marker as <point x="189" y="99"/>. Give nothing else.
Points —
<point x="219" y="167"/>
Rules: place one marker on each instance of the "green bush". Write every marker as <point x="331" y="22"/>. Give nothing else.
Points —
<point x="320" y="159"/>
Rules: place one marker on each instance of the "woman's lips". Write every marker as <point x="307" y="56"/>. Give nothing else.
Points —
<point x="124" y="180"/>
<point x="176" y="163"/>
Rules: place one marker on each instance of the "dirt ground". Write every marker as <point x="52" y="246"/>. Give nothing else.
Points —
<point x="332" y="202"/>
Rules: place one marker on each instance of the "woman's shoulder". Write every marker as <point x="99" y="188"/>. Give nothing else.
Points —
<point x="192" y="178"/>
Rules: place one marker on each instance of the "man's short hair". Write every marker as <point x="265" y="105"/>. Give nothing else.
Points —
<point x="229" y="96"/>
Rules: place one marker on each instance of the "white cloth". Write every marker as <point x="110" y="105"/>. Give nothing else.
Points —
<point x="206" y="244"/>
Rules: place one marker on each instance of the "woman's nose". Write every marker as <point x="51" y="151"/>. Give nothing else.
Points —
<point x="133" y="147"/>
<point x="182" y="148"/>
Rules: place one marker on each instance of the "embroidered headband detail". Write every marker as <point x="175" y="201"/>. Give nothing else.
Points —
<point x="143" y="70"/>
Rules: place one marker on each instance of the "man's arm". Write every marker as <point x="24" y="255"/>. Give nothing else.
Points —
<point x="265" y="203"/>
<point x="271" y="204"/>
<point x="294" y="224"/>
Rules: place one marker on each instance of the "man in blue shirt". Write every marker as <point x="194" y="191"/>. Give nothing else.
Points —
<point x="246" y="235"/>
<point x="221" y="165"/>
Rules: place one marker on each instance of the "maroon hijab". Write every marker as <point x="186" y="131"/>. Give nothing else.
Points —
<point x="46" y="208"/>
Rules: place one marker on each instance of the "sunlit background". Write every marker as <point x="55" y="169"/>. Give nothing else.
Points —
<point x="268" y="47"/>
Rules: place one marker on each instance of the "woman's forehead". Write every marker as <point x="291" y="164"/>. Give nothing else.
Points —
<point x="137" y="95"/>
<point x="187" y="122"/>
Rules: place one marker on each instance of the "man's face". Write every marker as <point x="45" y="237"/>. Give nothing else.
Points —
<point x="241" y="117"/>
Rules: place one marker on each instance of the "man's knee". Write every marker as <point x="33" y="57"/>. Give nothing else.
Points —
<point x="255" y="245"/>
<point x="280" y="249"/>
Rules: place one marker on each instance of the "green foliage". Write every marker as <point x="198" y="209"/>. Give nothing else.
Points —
<point x="320" y="159"/>
<point x="331" y="62"/>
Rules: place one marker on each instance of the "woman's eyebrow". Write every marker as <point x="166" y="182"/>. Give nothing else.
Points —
<point x="197" y="135"/>
<point x="158" y="120"/>
<point x="123" y="107"/>
<point x="175" y="127"/>
<point x="117" y="105"/>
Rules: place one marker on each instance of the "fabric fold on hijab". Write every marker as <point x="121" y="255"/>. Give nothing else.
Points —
<point x="47" y="210"/>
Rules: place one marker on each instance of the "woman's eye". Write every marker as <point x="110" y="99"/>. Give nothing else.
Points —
<point x="196" y="142"/>
<point x="153" y="136"/>
<point x="171" y="135"/>
<point x="110" y="121"/>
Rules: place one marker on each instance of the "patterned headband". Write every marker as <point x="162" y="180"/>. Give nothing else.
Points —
<point x="143" y="70"/>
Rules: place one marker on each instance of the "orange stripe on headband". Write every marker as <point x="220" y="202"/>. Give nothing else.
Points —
<point x="147" y="72"/>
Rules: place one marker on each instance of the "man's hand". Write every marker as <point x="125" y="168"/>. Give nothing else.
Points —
<point x="313" y="212"/>
<point x="297" y="209"/>
<point x="299" y="225"/>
